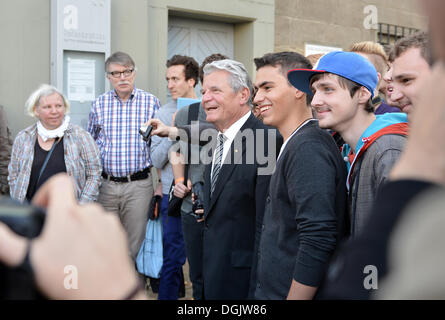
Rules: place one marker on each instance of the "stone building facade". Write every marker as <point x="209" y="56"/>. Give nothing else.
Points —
<point x="339" y="23"/>
<point x="153" y="30"/>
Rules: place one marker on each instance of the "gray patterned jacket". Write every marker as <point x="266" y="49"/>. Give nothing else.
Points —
<point x="82" y="160"/>
<point x="370" y="174"/>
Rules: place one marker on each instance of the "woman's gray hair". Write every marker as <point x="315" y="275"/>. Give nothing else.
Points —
<point x="238" y="79"/>
<point x="44" y="90"/>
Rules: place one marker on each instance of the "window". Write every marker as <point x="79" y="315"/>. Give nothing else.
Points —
<point x="389" y="33"/>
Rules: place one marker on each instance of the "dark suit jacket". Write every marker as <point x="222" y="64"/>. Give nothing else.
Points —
<point x="233" y="212"/>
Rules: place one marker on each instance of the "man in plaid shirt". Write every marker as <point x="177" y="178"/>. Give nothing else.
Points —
<point x="114" y="122"/>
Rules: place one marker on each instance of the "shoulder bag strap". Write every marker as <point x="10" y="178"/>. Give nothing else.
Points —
<point x="47" y="159"/>
<point x="192" y="115"/>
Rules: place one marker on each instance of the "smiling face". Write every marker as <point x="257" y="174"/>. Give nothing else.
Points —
<point x="333" y="104"/>
<point x="389" y="89"/>
<point x="222" y="105"/>
<point x="275" y="97"/>
<point x="410" y="70"/>
<point x="51" y="111"/>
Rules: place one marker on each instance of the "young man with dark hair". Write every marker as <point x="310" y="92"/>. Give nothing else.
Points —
<point x="207" y="60"/>
<point x="410" y="69"/>
<point x="182" y="77"/>
<point x="306" y="204"/>
<point x="343" y="87"/>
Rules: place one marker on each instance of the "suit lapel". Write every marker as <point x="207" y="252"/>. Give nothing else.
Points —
<point x="230" y="162"/>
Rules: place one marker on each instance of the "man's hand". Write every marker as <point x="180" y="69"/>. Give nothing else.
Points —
<point x="12" y="247"/>
<point x="158" y="191"/>
<point x="84" y="238"/>
<point x="160" y="129"/>
<point x="181" y="190"/>
<point x="199" y="211"/>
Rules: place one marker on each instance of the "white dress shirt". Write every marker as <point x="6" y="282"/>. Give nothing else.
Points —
<point x="230" y="135"/>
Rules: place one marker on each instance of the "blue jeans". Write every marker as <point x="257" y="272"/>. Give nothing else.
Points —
<point x="174" y="254"/>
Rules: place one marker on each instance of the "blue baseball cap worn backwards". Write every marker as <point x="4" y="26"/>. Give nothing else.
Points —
<point x="348" y="65"/>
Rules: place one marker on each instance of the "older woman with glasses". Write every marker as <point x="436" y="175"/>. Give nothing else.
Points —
<point x="53" y="145"/>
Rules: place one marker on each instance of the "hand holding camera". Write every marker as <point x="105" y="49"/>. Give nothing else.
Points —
<point x="181" y="190"/>
<point x="18" y="224"/>
<point x="145" y="132"/>
<point x="78" y="237"/>
<point x="160" y="129"/>
<point x="198" y="201"/>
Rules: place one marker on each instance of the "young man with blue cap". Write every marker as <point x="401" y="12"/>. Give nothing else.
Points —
<point x="343" y="86"/>
<point x="305" y="209"/>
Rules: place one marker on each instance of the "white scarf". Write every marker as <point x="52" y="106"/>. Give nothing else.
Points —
<point x="46" y="134"/>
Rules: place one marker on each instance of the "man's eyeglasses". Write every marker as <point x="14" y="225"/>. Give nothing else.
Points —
<point x="117" y="74"/>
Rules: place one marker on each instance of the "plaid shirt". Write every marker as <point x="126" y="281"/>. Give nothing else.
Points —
<point x="81" y="160"/>
<point x="115" y="127"/>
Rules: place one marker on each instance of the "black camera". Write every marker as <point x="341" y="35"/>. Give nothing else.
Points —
<point x="27" y="221"/>
<point x="198" y="191"/>
<point x="146" y="132"/>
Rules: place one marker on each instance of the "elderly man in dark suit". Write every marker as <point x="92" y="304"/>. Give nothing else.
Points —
<point x="236" y="181"/>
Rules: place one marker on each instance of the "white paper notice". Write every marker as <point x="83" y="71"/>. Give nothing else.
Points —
<point x="81" y="84"/>
<point x="316" y="49"/>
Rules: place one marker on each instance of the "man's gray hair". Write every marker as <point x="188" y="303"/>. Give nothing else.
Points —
<point x="238" y="79"/>
<point x="120" y="58"/>
<point x="44" y="90"/>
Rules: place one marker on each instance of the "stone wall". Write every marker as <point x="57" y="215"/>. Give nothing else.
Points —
<point x="337" y="23"/>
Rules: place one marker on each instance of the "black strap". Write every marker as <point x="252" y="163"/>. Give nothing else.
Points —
<point x="192" y="115"/>
<point x="47" y="159"/>
<point x="193" y="112"/>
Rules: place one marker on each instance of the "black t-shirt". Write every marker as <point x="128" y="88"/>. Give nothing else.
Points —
<point x="56" y="164"/>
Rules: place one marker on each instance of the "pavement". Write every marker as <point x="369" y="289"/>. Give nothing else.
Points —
<point x="188" y="286"/>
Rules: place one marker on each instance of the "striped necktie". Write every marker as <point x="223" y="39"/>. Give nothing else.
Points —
<point x="218" y="159"/>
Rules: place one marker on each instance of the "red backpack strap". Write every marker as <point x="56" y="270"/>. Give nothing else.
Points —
<point x="351" y="157"/>
<point x="397" y="128"/>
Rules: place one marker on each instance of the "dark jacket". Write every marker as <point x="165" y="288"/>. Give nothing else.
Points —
<point x="305" y="216"/>
<point x="347" y="272"/>
<point x="379" y="147"/>
<point x="231" y="215"/>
